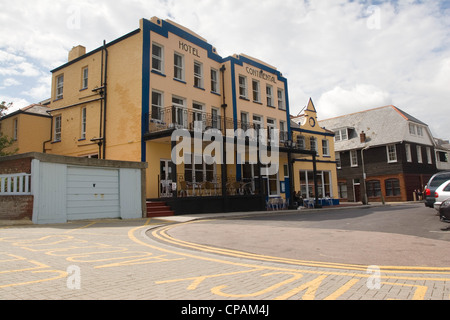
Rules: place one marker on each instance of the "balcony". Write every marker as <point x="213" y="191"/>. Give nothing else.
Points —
<point x="165" y="120"/>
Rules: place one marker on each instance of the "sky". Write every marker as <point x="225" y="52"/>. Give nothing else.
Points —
<point x="346" y="55"/>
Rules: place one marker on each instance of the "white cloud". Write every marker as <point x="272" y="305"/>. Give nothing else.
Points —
<point x="345" y="55"/>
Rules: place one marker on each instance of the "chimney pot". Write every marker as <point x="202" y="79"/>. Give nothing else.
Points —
<point x="362" y="137"/>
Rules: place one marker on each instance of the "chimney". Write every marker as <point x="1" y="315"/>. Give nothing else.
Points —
<point x="76" y="52"/>
<point x="362" y="137"/>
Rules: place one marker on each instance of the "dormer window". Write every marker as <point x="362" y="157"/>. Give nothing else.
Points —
<point x="341" y="135"/>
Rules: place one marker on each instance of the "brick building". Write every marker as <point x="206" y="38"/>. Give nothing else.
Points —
<point x="383" y="154"/>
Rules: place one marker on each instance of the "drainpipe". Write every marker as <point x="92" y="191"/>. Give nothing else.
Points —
<point x="51" y="132"/>
<point x="105" y="98"/>
<point x="224" y="165"/>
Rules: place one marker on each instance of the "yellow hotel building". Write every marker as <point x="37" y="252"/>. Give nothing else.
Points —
<point x="124" y="100"/>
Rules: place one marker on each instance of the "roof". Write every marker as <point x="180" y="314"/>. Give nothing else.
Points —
<point x="383" y="125"/>
<point x="33" y="109"/>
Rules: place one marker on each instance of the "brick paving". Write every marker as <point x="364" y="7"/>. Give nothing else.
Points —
<point x="118" y="259"/>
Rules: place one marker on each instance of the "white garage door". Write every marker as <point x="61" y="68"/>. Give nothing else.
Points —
<point x="92" y="193"/>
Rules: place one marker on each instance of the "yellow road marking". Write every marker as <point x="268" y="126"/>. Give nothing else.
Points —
<point x="162" y="235"/>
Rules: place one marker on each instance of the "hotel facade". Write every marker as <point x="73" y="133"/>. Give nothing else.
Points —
<point x="125" y="100"/>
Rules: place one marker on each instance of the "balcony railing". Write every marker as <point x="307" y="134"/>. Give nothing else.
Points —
<point x="174" y="117"/>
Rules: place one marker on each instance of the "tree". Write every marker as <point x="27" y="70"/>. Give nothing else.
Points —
<point x="5" y="141"/>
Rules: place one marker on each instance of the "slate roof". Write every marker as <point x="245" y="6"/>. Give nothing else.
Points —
<point x="384" y="125"/>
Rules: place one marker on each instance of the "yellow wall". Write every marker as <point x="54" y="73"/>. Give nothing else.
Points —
<point x="123" y="122"/>
<point x="324" y="162"/>
<point x="32" y="132"/>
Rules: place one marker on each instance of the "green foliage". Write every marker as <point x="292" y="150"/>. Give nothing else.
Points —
<point x="5" y="141"/>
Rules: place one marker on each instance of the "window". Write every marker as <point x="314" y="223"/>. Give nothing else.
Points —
<point x="323" y="184"/>
<point x="214" y="81"/>
<point x="196" y="170"/>
<point x="301" y="142"/>
<point x="313" y="144"/>
<point x="420" y="131"/>
<point x="257" y="122"/>
<point x="59" y="86"/>
<point x="442" y="156"/>
<point x="392" y="187"/>
<point x="243" y="87"/>
<point x="373" y="188"/>
<point x="15" y="129"/>
<point x="245" y="125"/>
<point x="419" y="154"/>
<point x="215" y="118"/>
<point x="342" y="190"/>
<point x="412" y="129"/>
<point x="269" y="95"/>
<point x="255" y="88"/>
<point x="157" y="58"/>
<point x="429" y="160"/>
<point x="325" y="148"/>
<point x="270" y="127"/>
<point x="353" y="158"/>
<point x="198" y="74"/>
<point x="178" y="63"/>
<point x="391" y="153"/>
<point x="408" y="152"/>
<point x="180" y="115"/>
<point x="198" y="114"/>
<point x="157" y="105"/>
<point x="283" y="131"/>
<point x="280" y="96"/>
<point x="340" y="135"/>
<point x="338" y="160"/>
<point x="83" y="123"/>
<point x="57" y="131"/>
<point x="84" y="83"/>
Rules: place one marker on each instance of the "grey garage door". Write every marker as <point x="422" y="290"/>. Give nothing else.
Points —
<point x="92" y="193"/>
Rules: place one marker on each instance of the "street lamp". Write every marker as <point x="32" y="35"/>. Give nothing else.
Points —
<point x="364" y="175"/>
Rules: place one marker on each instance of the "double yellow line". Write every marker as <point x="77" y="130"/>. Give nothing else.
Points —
<point x="162" y="235"/>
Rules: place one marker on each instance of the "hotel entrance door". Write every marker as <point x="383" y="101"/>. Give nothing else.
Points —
<point x="167" y="176"/>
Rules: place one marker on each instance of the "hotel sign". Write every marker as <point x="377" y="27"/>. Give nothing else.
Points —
<point x="188" y="48"/>
<point x="260" y="74"/>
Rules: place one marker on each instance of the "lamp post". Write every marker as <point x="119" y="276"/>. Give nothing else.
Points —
<point x="364" y="175"/>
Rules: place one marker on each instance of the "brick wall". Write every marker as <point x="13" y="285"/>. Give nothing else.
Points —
<point x="15" y="166"/>
<point x="16" y="207"/>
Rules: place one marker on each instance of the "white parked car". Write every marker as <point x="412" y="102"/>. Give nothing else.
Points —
<point x="441" y="194"/>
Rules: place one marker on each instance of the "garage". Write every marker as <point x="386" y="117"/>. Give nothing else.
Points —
<point x="92" y="193"/>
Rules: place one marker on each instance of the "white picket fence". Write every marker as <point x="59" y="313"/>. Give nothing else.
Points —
<point x="15" y="184"/>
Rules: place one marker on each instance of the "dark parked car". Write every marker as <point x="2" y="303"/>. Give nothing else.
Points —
<point x="444" y="212"/>
<point x="434" y="182"/>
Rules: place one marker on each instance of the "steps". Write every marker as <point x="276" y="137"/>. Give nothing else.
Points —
<point x="158" y="209"/>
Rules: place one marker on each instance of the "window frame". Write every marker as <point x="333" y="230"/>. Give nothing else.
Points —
<point x="243" y="88"/>
<point x="215" y="82"/>
<point x="159" y="59"/>
<point x="84" y="78"/>
<point x="83" y="123"/>
<point x="57" y="130"/>
<point x="281" y="99"/>
<point x="354" y="158"/>
<point x="59" y="88"/>
<point x="178" y="70"/>
<point x="269" y="95"/>
<point x="256" y="91"/>
<point x="391" y="154"/>
<point x="392" y="187"/>
<point x="198" y="75"/>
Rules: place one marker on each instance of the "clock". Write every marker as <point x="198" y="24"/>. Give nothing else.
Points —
<point x="312" y="122"/>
